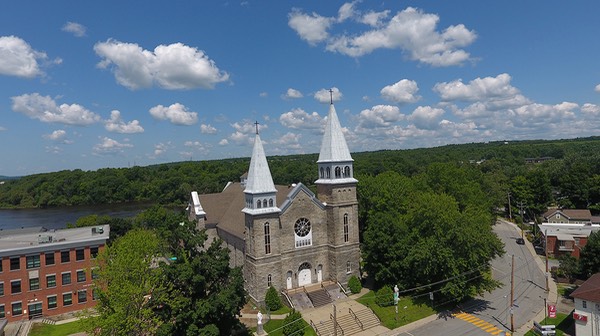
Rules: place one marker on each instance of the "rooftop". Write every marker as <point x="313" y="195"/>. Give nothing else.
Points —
<point x="589" y="290"/>
<point x="31" y="240"/>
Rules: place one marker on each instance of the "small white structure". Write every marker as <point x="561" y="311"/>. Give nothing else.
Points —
<point x="587" y="307"/>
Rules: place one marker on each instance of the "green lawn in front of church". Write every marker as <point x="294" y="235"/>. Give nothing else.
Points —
<point x="408" y="310"/>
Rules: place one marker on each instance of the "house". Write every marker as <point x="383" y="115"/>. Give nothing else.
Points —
<point x="587" y="307"/>
<point x="567" y="230"/>
<point x="286" y="236"/>
<point x="44" y="273"/>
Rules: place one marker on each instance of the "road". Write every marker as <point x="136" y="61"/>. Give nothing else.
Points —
<point x="490" y="314"/>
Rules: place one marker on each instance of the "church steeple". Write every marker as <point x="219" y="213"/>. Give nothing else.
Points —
<point x="335" y="162"/>
<point x="260" y="190"/>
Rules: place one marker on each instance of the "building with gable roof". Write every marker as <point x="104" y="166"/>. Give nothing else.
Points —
<point x="286" y="236"/>
<point x="567" y="230"/>
<point x="587" y="307"/>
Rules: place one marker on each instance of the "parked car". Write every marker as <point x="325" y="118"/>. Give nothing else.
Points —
<point x="520" y="241"/>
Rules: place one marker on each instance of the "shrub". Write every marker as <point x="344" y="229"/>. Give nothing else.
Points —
<point x="272" y="299"/>
<point x="385" y="296"/>
<point x="354" y="284"/>
<point x="293" y="323"/>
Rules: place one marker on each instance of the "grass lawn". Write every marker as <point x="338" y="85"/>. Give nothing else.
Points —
<point x="273" y="328"/>
<point x="281" y="311"/>
<point x="562" y="323"/>
<point x="414" y="310"/>
<point x="42" y="329"/>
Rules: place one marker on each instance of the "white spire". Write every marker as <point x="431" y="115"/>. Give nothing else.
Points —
<point x="259" y="175"/>
<point x="334" y="147"/>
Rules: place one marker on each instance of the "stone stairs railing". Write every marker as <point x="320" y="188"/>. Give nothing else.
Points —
<point x="348" y="324"/>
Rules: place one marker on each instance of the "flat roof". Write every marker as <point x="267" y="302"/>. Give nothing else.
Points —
<point x="23" y="241"/>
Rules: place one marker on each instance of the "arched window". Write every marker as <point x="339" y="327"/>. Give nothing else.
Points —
<point x="322" y="172"/>
<point x="258" y="204"/>
<point x="338" y="172"/>
<point x="270" y="202"/>
<point x="347" y="171"/>
<point x="269" y="280"/>
<point x="264" y="203"/>
<point x="267" y="238"/>
<point x="328" y="172"/>
<point x="348" y="269"/>
<point x="346" y="228"/>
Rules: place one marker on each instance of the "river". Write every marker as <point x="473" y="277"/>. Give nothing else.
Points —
<point x="57" y="218"/>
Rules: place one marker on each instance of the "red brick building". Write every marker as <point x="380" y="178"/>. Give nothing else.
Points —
<point x="567" y="230"/>
<point x="44" y="273"/>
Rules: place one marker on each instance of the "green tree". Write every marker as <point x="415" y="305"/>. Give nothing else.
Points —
<point x="385" y="296"/>
<point x="293" y="323"/>
<point x="589" y="259"/>
<point x="569" y="266"/>
<point x="128" y="287"/>
<point x="272" y="299"/>
<point x="354" y="284"/>
<point x="205" y="294"/>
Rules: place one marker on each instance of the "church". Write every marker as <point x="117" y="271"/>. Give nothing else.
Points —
<point x="286" y="236"/>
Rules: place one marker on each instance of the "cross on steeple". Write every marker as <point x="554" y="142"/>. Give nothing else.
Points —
<point x="331" y="96"/>
<point x="256" y="124"/>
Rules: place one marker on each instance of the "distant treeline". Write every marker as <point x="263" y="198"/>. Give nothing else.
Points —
<point x="571" y="177"/>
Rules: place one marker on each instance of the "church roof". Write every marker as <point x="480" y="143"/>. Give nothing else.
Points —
<point x="224" y="209"/>
<point x="334" y="147"/>
<point x="259" y="175"/>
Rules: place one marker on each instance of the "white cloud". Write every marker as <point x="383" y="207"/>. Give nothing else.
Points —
<point x="2" y="128"/>
<point x="597" y="88"/>
<point x="45" y="109"/>
<point x="173" y="67"/>
<point x="196" y="146"/>
<point x="117" y="125"/>
<point x="223" y="142"/>
<point x="240" y="138"/>
<point x="17" y="58"/>
<point x="300" y="119"/>
<point x="289" y="141"/>
<point x="311" y="28"/>
<point x="207" y="129"/>
<point x="177" y="114"/>
<point x="403" y="91"/>
<point x="248" y="127"/>
<point x="54" y="149"/>
<point x="591" y="109"/>
<point x="379" y="116"/>
<point x="160" y="149"/>
<point x="263" y="94"/>
<point x="411" y="30"/>
<point x="56" y="135"/>
<point x="110" y="146"/>
<point x="426" y="117"/>
<point x="374" y="19"/>
<point x="74" y="28"/>
<point x="292" y="94"/>
<point x="536" y="115"/>
<point x="324" y="96"/>
<point x="477" y="89"/>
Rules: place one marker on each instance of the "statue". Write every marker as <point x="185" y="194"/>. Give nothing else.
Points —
<point x="259" y="327"/>
<point x="259" y="317"/>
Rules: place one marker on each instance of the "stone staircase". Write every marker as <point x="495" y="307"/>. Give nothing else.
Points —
<point x="348" y="324"/>
<point x="319" y="297"/>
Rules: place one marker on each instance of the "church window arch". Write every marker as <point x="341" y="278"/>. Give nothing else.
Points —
<point x="270" y="202"/>
<point x="322" y="171"/>
<point x="347" y="171"/>
<point x="338" y="172"/>
<point x="346" y="229"/>
<point x="302" y="232"/>
<point x="267" y="238"/>
<point x="328" y="172"/>
<point x="348" y="267"/>
<point x="258" y="203"/>
<point x="269" y="280"/>
<point x="264" y="203"/>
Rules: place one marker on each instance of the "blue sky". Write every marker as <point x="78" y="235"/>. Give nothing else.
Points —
<point x="88" y="85"/>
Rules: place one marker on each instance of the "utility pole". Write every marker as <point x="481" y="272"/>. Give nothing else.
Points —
<point x="546" y="250"/>
<point x="512" y="294"/>
<point x="334" y="321"/>
<point x="509" y="211"/>
<point x="521" y="205"/>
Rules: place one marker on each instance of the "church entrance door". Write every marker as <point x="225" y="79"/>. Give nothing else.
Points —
<point x="289" y="280"/>
<point x="320" y="273"/>
<point x="304" y="274"/>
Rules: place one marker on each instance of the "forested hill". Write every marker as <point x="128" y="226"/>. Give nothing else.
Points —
<point x="571" y="177"/>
